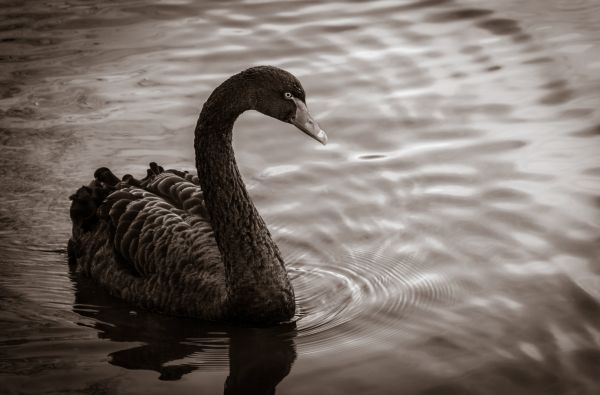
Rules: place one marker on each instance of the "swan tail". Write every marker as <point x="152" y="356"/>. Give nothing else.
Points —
<point x="86" y="201"/>
<point x="106" y="177"/>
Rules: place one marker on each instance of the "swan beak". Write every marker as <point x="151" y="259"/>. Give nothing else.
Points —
<point x="305" y="122"/>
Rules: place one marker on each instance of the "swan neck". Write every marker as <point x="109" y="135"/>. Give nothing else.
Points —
<point x="257" y="283"/>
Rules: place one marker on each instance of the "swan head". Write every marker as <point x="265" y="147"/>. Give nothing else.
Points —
<point x="278" y="94"/>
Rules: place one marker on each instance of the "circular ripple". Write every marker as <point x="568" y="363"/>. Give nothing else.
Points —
<point x="576" y="5"/>
<point x="361" y="295"/>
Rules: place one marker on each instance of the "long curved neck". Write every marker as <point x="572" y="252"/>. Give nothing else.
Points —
<point x="258" y="287"/>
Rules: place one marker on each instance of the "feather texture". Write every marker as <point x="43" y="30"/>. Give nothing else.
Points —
<point x="135" y="228"/>
<point x="192" y="245"/>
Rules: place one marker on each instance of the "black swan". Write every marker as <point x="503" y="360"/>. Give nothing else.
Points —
<point x="191" y="245"/>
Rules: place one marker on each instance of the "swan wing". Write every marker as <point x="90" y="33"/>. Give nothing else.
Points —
<point x="149" y="242"/>
<point x="154" y="227"/>
<point x="161" y="225"/>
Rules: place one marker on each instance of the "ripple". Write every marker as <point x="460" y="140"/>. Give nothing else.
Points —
<point x="500" y="26"/>
<point x="462" y="138"/>
<point x="424" y="4"/>
<point x="557" y="97"/>
<point x="577" y="5"/>
<point x="458" y="15"/>
<point x="336" y="301"/>
<point x="371" y="156"/>
<point x="593" y="131"/>
<point x="539" y="60"/>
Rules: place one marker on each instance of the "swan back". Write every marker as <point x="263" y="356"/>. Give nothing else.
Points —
<point x="150" y="242"/>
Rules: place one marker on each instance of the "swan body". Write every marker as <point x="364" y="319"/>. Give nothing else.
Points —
<point x="194" y="245"/>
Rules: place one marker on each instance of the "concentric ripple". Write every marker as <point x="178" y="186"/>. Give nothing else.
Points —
<point x="337" y="300"/>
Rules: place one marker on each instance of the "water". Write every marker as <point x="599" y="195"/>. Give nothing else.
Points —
<point x="445" y="241"/>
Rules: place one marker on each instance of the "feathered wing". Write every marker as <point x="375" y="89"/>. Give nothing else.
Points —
<point x="150" y="242"/>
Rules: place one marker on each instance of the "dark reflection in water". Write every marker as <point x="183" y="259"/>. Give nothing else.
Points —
<point x="259" y="358"/>
<point x="458" y="15"/>
<point x="501" y="26"/>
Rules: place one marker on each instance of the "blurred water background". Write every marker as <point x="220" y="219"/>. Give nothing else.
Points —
<point x="446" y="240"/>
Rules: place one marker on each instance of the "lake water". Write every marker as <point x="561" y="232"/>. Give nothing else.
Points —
<point x="446" y="240"/>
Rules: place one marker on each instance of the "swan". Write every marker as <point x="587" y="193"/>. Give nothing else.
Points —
<point x="194" y="245"/>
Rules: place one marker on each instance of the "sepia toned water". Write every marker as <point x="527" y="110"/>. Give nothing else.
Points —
<point x="445" y="241"/>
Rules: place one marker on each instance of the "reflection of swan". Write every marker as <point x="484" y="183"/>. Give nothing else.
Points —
<point x="187" y="245"/>
<point x="259" y="358"/>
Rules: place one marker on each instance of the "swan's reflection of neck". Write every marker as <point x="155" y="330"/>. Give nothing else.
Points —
<point x="259" y="358"/>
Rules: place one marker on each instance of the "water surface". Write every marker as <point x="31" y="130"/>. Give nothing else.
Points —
<point x="445" y="241"/>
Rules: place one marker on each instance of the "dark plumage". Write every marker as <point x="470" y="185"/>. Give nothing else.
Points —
<point x="194" y="245"/>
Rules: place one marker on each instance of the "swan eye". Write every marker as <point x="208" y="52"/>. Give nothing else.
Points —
<point x="287" y="95"/>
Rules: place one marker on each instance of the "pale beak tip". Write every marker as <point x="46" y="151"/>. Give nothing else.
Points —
<point x="322" y="137"/>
